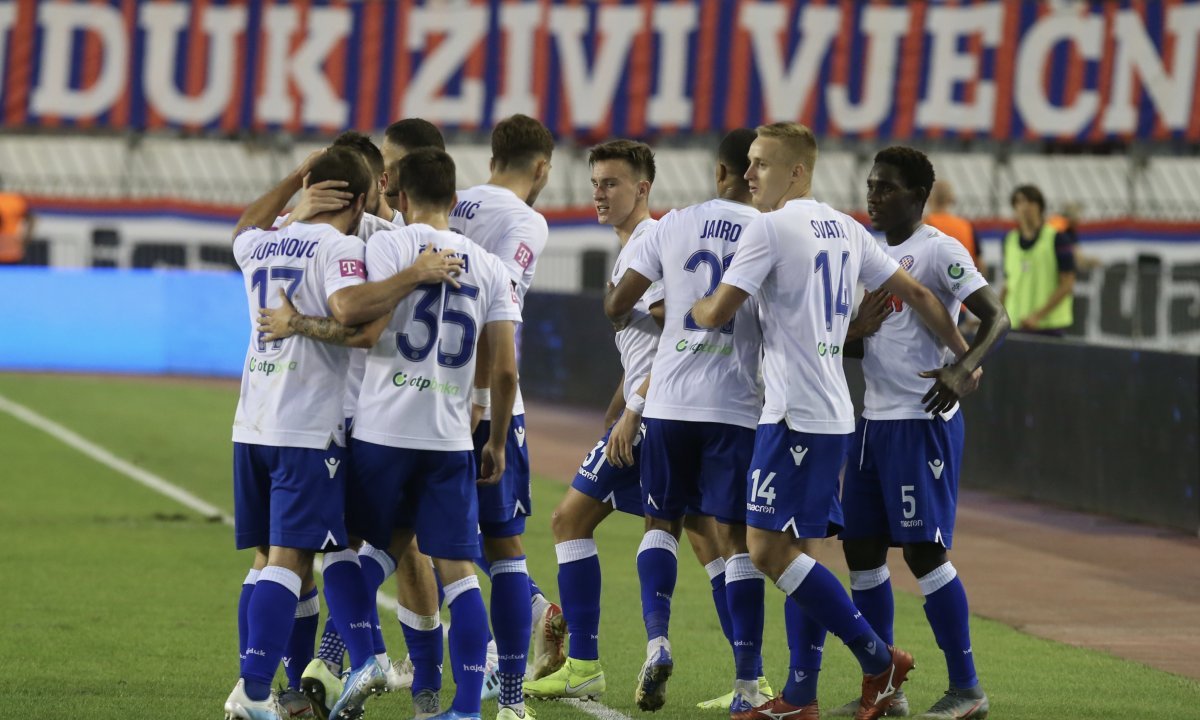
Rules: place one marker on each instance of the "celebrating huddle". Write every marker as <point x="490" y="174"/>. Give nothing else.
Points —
<point x="380" y="423"/>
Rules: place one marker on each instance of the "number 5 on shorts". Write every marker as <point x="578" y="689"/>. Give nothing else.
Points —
<point x="910" y="502"/>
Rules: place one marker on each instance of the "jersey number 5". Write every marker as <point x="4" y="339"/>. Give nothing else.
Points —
<point x="426" y="313"/>
<point x="717" y="266"/>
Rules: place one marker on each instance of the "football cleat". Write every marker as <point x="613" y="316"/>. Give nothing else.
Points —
<point x="898" y="708"/>
<point x="321" y="687"/>
<point x="879" y="690"/>
<point x="651" y="691"/>
<point x="957" y="704"/>
<point x="364" y="681"/>
<point x="579" y="679"/>
<point x="549" y="634"/>
<point x="722" y="703"/>
<point x="426" y="704"/>
<point x="778" y="709"/>
<point x="239" y="706"/>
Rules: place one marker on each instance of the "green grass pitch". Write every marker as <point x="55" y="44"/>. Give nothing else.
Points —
<point x="119" y="603"/>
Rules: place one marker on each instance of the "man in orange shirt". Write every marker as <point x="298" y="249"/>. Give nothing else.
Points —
<point x="16" y="226"/>
<point x="941" y="199"/>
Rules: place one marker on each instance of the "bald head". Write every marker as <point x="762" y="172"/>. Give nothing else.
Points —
<point x="941" y="196"/>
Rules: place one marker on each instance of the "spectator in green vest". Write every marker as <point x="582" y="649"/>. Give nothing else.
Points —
<point x="1039" y="268"/>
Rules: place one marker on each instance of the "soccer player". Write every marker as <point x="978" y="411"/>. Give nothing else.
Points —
<point x="414" y="465"/>
<point x="399" y="139"/>
<point x="499" y="217"/>
<point x="698" y="435"/>
<point x="319" y="677"/>
<point x="901" y="484"/>
<point x="289" y="435"/>
<point x="622" y="175"/>
<point x="802" y="262"/>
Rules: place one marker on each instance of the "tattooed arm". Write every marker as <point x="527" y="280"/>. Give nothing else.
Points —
<point x="284" y="321"/>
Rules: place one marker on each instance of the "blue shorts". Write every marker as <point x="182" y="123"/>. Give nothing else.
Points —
<point x="431" y="492"/>
<point x="289" y="497"/>
<point x="619" y="487"/>
<point x="504" y="506"/>
<point x="697" y="468"/>
<point x="793" y="481"/>
<point x="902" y="480"/>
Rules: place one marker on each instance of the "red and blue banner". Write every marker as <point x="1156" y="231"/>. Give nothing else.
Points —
<point x="1078" y="71"/>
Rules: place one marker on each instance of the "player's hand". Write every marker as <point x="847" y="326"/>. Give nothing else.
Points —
<point x="305" y="166"/>
<point x="476" y="416"/>
<point x="876" y="306"/>
<point x="1030" y="323"/>
<point x="491" y="463"/>
<point x="619" y="449"/>
<point x="949" y="385"/>
<point x="325" y="196"/>
<point x="437" y="266"/>
<point x="618" y="323"/>
<point x="275" y="323"/>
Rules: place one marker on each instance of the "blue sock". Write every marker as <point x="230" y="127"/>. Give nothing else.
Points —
<point x="824" y="599"/>
<point x="377" y="566"/>
<point x="534" y="589"/>
<point x="872" y="593"/>
<point x="658" y="566"/>
<point x="946" y="608"/>
<point x="350" y="604"/>
<point x="806" y="643"/>
<point x="332" y="649"/>
<point x="579" y="589"/>
<point x="271" y="614"/>
<point x="512" y="623"/>
<point x="423" y="636"/>
<point x="716" y="578"/>
<point x="744" y="590"/>
<point x="304" y="636"/>
<point x="468" y="648"/>
<point x="243" y="607"/>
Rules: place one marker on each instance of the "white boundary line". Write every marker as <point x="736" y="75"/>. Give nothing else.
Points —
<point x="204" y="508"/>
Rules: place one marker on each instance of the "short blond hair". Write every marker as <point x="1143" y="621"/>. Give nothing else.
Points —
<point x="797" y="138"/>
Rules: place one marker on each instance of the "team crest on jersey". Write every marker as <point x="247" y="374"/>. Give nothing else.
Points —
<point x="907" y="261"/>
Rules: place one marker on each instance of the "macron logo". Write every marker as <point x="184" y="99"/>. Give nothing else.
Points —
<point x="937" y="466"/>
<point x="798" y="454"/>
<point x="331" y="464"/>
<point x="520" y="433"/>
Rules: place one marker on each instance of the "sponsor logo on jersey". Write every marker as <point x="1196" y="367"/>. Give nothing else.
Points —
<point x="353" y="268"/>
<point x="798" y="452"/>
<point x="523" y="256"/>
<point x="705" y="348"/>
<point x="267" y="367"/>
<point x="764" y="509"/>
<point x="937" y="466"/>
<point x="421" y="383"/>
<point x="824" y="349"/>
<point x="331" y="464"/>
<point x="907" y="261"/>
<point x="956" y="271"/>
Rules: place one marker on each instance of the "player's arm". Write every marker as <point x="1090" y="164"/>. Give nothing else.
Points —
<point x="263" y="211"/>
<point x="994" y="323"/>
<point x="481" y="398"/>
<point x="285" y="321"/>
<point x="658" y="311"/>
<point x="502" y="356"/>
<point x="720" y="307"/>
<point x="619" y="449"/>
<point x="875" y="307"/>
<point x="617" y="405"/>
<point x="369" y="301"/>
<point x="620" y="299"/>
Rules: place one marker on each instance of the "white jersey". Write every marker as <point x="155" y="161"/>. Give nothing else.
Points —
<point x="368" y="226"/>
<point x="638" y="340"/>
<point x="803" y="262"/>
<point x="504" y="225"/>
<point x="417" y="389"/>
<point x="904" y="346"/>
<point x="292" y="389"/>
<point x="701" y="375"/>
